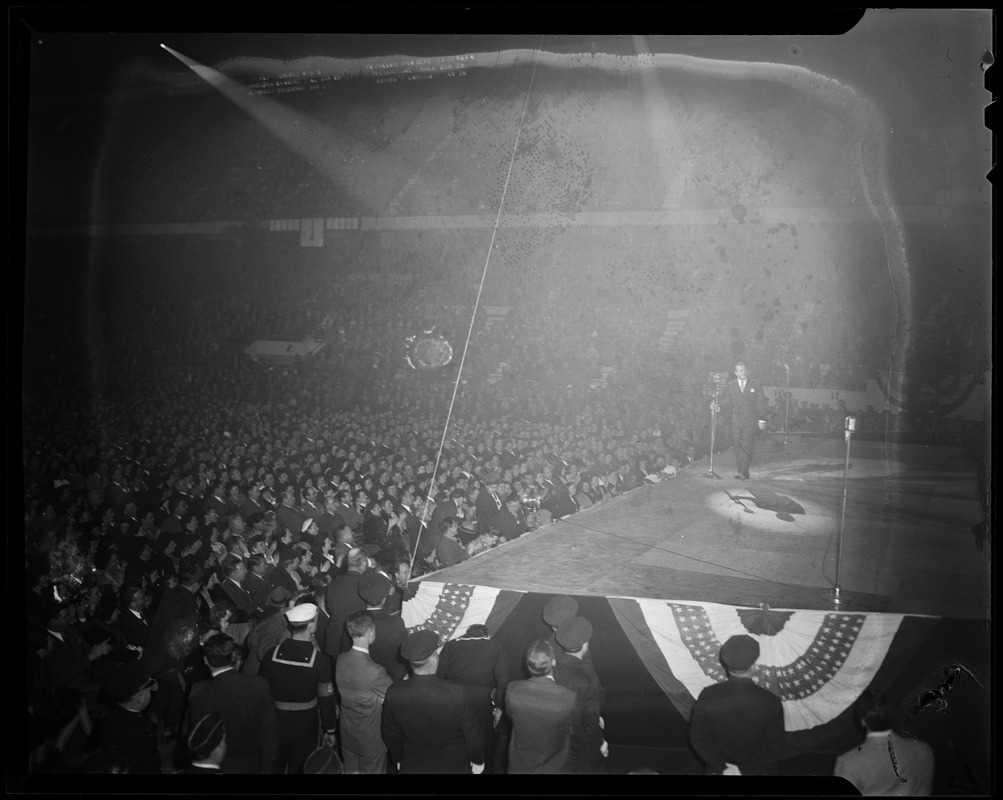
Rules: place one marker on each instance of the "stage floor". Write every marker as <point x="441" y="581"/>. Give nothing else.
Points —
<point x="907" y="546"/>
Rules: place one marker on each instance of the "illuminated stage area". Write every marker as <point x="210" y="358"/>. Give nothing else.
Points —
<point x="667" y="572"/>
<point x="907" y="545"/>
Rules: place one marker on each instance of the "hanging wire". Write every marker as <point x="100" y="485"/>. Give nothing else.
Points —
<point x="494" y="233"/>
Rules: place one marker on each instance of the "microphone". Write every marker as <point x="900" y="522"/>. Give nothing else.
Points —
<point x="787" y="368"/>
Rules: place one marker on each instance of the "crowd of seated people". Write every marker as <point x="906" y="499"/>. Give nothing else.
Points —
<point x="130" y="494"/>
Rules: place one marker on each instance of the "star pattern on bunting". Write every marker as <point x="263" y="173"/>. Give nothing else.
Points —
<point x="449" y="610"/>
<point x="812" y="669"/>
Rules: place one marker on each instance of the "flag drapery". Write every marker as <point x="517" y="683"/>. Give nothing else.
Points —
<point x="817" y="662"/>
<point x="448" y="609"/>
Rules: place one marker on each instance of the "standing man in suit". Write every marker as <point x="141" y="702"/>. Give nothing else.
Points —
<point x="544" y="717"/>
<point x="428" y="724"/>
<point x="744" y="402"/>
<point x="233" y="588"/>
<point x="488" y="504"/>
<point x="737" y="724"/>
<point x="343" y="599"/>
<point x="246" y="705"/>
<point x="132" y="621"/>
<point x="362" y="684"/>
<point x="255" y="583"/>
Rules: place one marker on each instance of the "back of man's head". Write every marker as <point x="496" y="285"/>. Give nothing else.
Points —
<point x="540" y="658"/>
<point x="342" y="533"/>
<point x="219" y="651"/>
<point x="360" y="624"/>
<point x="358" y="559"/>
<point x="446" y="523"/>
<point x="874" y="711"/>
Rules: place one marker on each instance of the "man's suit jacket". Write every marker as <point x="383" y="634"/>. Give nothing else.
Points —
<point x="429" y="727"/>
<point x="343" y="600"/>
<point x="250" y="507"/>
<point x="870" y="768"/>
<point x="289" y="518"/>
<point x="362" y="685"/>
<point x="249" y="719"/>
<point x="737" y="722"/>
<point x="135" y="630"/>
<point x="544" y="717"/>
<point x="352" y="518"/>
<point x="431" y="536"/>
<point x="327" y="523"/>
<point x="240" y="598"/>
<point x="222" y="507"/>
<point x="511" y="526"/>
<point x="258" y="588"/>
<point x="487" y="509"/>
<point x="744" y="408"/>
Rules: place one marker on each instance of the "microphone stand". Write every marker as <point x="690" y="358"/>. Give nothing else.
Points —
<point x="713" y="427"/>
<point x="850" y="425"/>
<point x="787" y="406"/>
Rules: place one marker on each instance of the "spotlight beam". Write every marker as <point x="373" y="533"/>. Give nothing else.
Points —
<point x="317" y="143"/>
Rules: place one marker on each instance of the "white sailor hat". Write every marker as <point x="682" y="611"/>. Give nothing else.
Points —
<point x="302" y="613"/>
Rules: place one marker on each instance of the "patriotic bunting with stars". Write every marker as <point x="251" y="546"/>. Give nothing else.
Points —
<point x="817" y="662"/>
<point x="448" y="609"/>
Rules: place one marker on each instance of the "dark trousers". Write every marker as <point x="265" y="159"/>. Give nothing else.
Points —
<point x="480" y="702"/>
<point x="745" y="442"/>
<point x="299" y="736"/>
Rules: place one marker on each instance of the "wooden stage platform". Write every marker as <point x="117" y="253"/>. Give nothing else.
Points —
<point x="906" y="545"/>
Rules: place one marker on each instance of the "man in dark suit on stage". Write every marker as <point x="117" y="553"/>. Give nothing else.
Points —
<point x="246" y="705"/>
<point x="545" y="717"/>
<point x="428" y="723"/>
<point x="744" y="403"/>
<point x="737" y="727"/>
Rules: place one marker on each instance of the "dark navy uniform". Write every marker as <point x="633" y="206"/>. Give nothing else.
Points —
<point x="586" y="740"/>
<point x="385" y="651"/>
<point x="480" y="665"/>
<point x="295" y="670"/>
